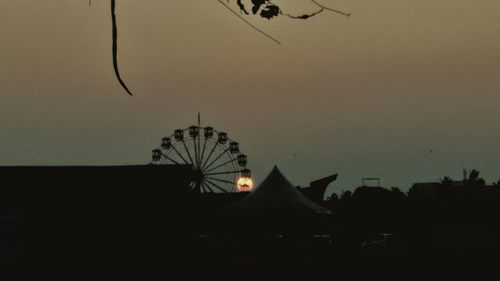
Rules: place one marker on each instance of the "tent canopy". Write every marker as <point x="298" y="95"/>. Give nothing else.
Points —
<point x="277" y="195"/>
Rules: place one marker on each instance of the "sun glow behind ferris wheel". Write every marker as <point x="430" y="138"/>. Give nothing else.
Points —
<point x="218" y="164"/>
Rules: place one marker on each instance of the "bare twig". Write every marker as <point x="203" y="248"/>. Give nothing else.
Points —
<point x="330" y="9"/>
<point x="304" y="16"/>
<point x="248" y="23"/>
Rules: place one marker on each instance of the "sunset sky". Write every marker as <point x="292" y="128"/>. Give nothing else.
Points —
<point x="368" y="96"/>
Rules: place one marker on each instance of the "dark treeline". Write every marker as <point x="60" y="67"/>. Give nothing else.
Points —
<point x="448" y="216"/>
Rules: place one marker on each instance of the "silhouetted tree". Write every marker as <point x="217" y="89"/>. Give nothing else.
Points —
<point x="473" y="175"/>
<point x="474" y="179"/>
<point x="446" y="181"/>
<point x="346" y="194"/>
<point x="333" y="198"/>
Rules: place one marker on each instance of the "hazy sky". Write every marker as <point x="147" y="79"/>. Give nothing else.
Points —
<point x="368" y="96"/>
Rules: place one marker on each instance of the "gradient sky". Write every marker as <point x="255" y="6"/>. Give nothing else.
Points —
<point x="368" y="96"/>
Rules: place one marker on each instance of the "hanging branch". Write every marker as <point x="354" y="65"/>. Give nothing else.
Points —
<point x="270" y="10"/>
<point x="115" y="47"/>
<point x="267" y="10"/>
<point x="304" y="16"/>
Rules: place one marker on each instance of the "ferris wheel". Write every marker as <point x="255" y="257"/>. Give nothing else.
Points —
<point x="218" y="164"/>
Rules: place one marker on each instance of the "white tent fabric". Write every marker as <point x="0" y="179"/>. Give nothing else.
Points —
<point x="277" y="195"/>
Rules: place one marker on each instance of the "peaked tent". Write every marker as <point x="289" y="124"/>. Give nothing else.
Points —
<point x="277" y="195"/>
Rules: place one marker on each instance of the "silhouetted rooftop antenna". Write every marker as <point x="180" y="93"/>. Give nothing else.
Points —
<point x="371" y="179"/>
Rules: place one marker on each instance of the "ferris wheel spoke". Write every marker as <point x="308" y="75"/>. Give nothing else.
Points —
<point x="215" y="185"/>
<point x="220" y="165"/>
<point x="180" y="155"/>
<point x="188" y="153"/>
<point x="209" y="155"/>
<point x="203" y="151"/>
<point x="199" y="149"/>
<point x="192" y="185"/>
<point x="195" y="162"/>
<point x="220" y="180"/>
<point x="197" y="187"/>
<point x="206" y="186"/>
<point x="215" y="160"/>
<point x="166" y="157"/>
<point x="224" y="173"/>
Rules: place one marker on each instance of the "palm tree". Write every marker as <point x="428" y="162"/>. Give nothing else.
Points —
<point x="473" y="175"/>
<point x="474" y="179"/>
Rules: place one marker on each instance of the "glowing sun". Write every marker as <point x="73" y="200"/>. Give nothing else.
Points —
<point x="245" y="184"/>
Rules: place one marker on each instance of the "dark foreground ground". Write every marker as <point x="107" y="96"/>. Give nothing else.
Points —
<point x="116" y="225"/>
<point x="143" y="245"/>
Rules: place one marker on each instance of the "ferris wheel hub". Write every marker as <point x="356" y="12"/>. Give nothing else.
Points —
<point x="198" y="175"/>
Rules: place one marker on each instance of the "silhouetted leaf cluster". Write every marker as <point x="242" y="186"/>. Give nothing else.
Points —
<point x="270" y="10"/>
